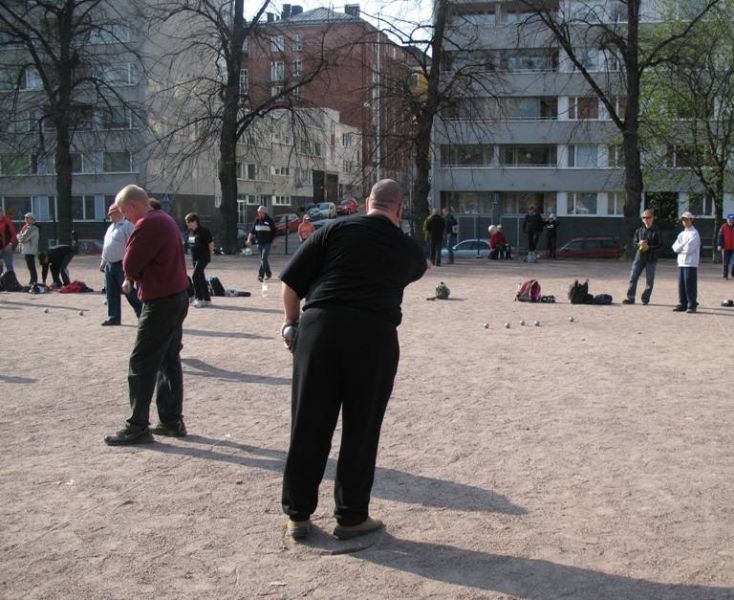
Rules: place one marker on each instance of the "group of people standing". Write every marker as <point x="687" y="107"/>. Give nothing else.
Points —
<point x="533" y="226"/>
<point x="687" y="246"/>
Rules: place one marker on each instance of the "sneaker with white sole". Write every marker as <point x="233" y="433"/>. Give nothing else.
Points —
<point x="348" y="532"/>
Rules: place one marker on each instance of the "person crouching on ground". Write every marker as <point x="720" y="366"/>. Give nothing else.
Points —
<point x="688" y="248"/>
<point x="201" y="246"/>
<point x="57" y="259"/>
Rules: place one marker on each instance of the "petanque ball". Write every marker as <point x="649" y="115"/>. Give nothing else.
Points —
<point x="486" y="325"/>
<point x="570" y="319"/>
<point x="507" y="325"/>
<point x="81" y="313"/>
<point x="537" y="323"/>
<point x="522" y="322"/>
<point x="45" y="310"/>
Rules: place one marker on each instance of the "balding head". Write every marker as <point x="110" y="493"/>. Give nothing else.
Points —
<point x="386" y="199"/>
<point x="132" y="200"/>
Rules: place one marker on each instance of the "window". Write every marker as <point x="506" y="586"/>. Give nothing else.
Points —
<point x="117" y="162"/>
<point x="466" y="154"/>
<point x="110" y="34"/>
<point x="531" y="155"/>
<point x="125" y="74"/>
<point x="116" y="118"/>
<point x="529" y="60"/>
<point x="615" y="203"/>
<point x="277" y="70"/>
<point x="280" y="170"/>
<point x="701" y="205"/>
<point x="276" y="91"/>
<point x="15" y="164"/>
<point x="88" y="208"/>
<point x="244" y="82"/>
<point x="348" y="166"/>
<point x="298" y="43"/>
<point x="585" y="107"/>
<point x="31" y="80"/>
<point x="582" y="203"/>
<point x="281" y="200"/>
<point x="17" y="206"/>
<point x="43" y="207"/>
<point x="615" y="156"/>
<point x="595" y="60"/>
<point x="516" y="16"/>
<point x="529" y="108"/>
<point x="297" y="67"/>
<point x="347" y="139"/>
<point x="518" y="203"/>
<point x="277" y="44"/>
<point x="298" y="92"/>
<point x="582" y="155"/>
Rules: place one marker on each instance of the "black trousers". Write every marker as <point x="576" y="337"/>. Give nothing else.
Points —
<point x="30" y="261"/>
<point x="155" y="362"/>
<point x="533" y="240"/>
<point x="552" y="246"/>
<point x="201" y="287"/>
<point x="362" y="353"/>
<point x="436" y="245"/>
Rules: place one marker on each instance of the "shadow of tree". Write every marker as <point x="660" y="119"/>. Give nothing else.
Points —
<point x="532" y="579"/>
<point x="390" y="484"/>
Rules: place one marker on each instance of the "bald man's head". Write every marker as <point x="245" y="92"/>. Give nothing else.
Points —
<point x="132" y="200"/>
<point x="386" y="195"/>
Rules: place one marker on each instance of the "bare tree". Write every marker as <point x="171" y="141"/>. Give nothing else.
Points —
<point x="622" y="32"/>
<point x="689" y="116"/>
<point x="60" y="66"/>
<point x="213" y="105"/>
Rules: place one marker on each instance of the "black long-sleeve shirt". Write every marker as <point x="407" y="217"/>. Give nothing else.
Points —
<point x="654" y="242"/>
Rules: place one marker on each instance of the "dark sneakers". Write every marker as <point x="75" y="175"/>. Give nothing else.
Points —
<point x="128" y="437"/>
<point x="628" y="301"/>
<point x="298" y="530"/>
<point x="679" y="308"/>
<point x="109" y="322"/>
<point x="170" y="429"/>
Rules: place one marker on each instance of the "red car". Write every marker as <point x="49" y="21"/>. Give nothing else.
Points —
<point x="348" y="206"/>
<point x="589" y="247"/>
<point x="289" y="220"/>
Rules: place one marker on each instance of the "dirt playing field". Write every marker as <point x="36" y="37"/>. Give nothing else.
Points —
<point x="584" y="459"/>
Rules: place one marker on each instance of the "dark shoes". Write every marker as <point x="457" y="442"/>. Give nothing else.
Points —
<point x="348" y="532"/>
<point x="259" y="278"/>
<point x="691" y="310"/>
<point x="628" y="301"/>
<point x="679" y="308"/>
<point x="128" y="437"/>
<point x="170" y="429"/>
<point x="299" y="529"/>
<point x="109" y="322"/>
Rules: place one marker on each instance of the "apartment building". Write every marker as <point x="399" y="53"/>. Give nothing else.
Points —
<point x="536" y="134"/>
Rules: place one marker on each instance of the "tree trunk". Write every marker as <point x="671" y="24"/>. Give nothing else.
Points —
<point x="63" y="182"/>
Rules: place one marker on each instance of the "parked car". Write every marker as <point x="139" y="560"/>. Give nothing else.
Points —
<point x="327" y="209"/>
<point x="291" y="221"/>
<point x="468" y="249"/>
<point x="89" y="246"/>
<point x="589" y="247"/>
<point x="314" y="213"/>
<point x="348" y="206"/>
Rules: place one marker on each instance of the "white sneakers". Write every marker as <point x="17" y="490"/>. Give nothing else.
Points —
<point x="202" y="303"/>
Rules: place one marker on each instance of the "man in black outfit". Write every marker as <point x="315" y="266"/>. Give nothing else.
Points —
<point x="533" y="227"/>
<point x="436" y="225"/>
<point x="201" y="245"/>
<point x="352" y="274"/>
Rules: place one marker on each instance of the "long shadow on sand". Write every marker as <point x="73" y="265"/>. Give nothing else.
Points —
<point x="202" y="369"/>
<point x="13" y="379"/>
<point x="272" y="311"/>
<point x="390" y="484"/>
<point x="225" y="334"/>
<point x="528" y="578"/>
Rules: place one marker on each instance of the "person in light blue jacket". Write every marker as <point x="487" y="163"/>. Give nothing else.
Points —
<point x="688" y="248"/>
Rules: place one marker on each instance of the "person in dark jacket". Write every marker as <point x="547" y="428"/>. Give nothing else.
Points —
<point x="452" y="232"/>
<point x="57" y="259"/>
<point x="263" y="232"/>
<point x="533" y="227"/>
<point x="435" y="226"/>
<point x="648" y="241"/>
<point x="201" y="245"/>
<point x="725" y="245"/>
<point x="551" y="233"/>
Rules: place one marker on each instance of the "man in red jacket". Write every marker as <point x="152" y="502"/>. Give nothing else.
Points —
<point x="725" y="243"/>
<point x="154" y="259"/>
<point x="8" y="240"/>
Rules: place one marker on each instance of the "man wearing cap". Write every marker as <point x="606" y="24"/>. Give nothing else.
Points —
<point x="8" y="239"/>
<point x="688" y="248"/>
<point x="263" y="231"/>
<point x="725" y="245"/>
<point x="648" y="241"/>
<point x="113" y="251"/>
<point x="28" y="238"/>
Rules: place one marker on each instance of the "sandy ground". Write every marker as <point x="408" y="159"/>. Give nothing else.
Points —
<point x="585" y="459"/>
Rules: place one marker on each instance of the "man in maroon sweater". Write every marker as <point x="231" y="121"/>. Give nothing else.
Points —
<point x="154" y="259"/>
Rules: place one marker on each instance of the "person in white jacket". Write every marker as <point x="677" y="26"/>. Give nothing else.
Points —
<point x="28" y="238"/>
<point x="688" y="248"/>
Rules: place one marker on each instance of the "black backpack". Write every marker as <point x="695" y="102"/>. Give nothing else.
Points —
<point x="215" y="287"/>
<point x="9" y="282"/>
<point x="578" y="293"/>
